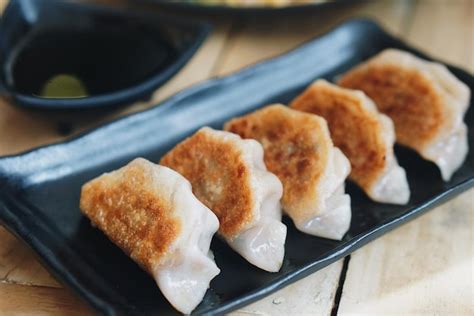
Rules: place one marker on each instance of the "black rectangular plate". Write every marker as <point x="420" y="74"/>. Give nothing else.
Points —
<point x="39" y="190"/>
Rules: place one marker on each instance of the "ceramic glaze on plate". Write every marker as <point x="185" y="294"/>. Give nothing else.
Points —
<point x="39" y="190"/>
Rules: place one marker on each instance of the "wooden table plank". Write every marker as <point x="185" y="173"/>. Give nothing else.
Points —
<point x="36" y="300"/>
<point x="21" y="130"/>
<point x="313" y="295"/>
<point x="423" y="267"/>
<point x="18" y="263"/>
<point x="445" y="30"/>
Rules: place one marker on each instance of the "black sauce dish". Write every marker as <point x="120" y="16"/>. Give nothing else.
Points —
<point x="59" y="55"/>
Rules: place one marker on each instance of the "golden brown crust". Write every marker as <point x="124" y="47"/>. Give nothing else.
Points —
<point x="296" y="150"/>
<point x="125" y="206"/>
<point x="354" y="129"/>
<point x="405" y="95"/>
<point x="219" y="176"/>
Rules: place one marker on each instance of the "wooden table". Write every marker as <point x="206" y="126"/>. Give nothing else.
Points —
<point x="424" y="267"/>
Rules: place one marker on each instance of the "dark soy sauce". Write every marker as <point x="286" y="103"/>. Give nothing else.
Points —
<point x="102" y="60"/>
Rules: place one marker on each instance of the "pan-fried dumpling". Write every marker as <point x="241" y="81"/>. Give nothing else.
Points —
<point x="150" y="212"/>
<point x="229" y="176"/>
<point x="299" y="150"/>
<point x="425" y="101"/>
<point x="364" y="135"/>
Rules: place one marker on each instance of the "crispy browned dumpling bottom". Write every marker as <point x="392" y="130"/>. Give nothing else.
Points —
<point x="354" y="129"/>
<point x="296" y="150"/>
<point x="219" y="176"/>
<point x="125" y="205"/>
<point x="405" y="95"/>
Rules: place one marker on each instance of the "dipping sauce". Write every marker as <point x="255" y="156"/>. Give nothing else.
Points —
<point x="74" y="63"/>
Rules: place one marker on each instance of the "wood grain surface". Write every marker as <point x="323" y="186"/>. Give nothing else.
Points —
<point x="422" y="268"/>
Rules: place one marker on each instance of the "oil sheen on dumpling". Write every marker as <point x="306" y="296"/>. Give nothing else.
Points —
<point x="150" y="212"/>
<point x="229" y="176"/>
<point x="363" y="134"/>
<point x="299" y="150"/>
<point x="425" y="101"/>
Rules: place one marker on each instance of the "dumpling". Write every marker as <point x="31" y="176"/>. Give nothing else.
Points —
<point x="229" y="176"/>
<point x="425" y="101"/>
<point x="364" y="135"/>
<point x="299" y="150"/>
<point x="150" y="212"/>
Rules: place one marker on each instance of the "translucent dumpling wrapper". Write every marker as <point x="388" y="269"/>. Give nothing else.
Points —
<point x="229" y="176"/>
<point x="425" y="101"/>
<point x="299" y="150"/>
<point x="150" y="212"/>
<point x="363" y="134"/>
